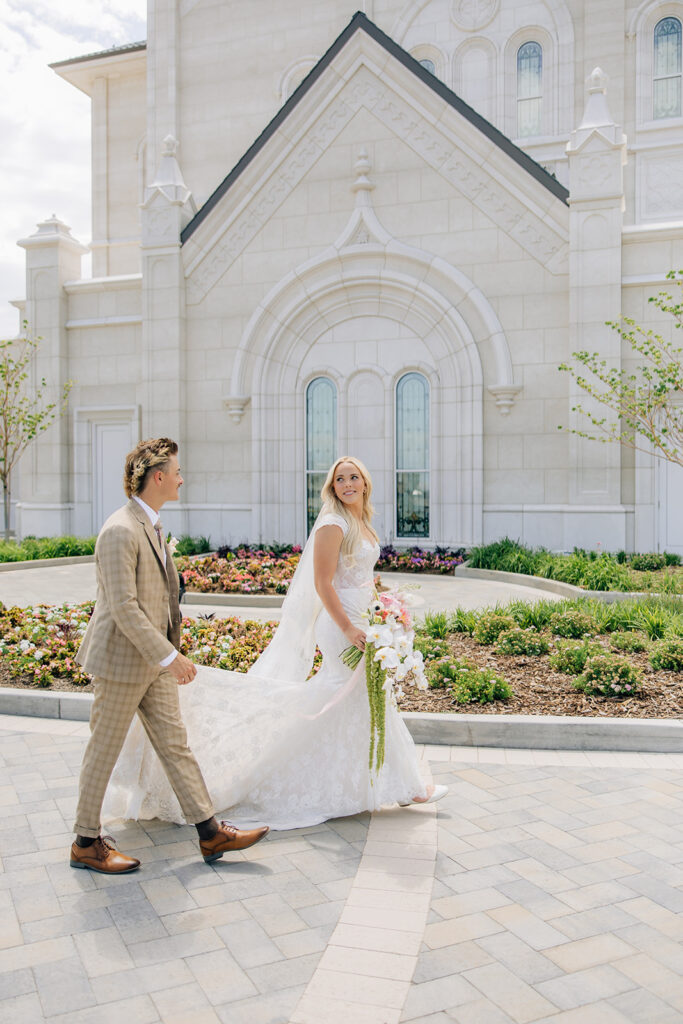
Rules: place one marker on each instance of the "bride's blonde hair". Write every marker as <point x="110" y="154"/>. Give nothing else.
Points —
<point x="331" y="503"/>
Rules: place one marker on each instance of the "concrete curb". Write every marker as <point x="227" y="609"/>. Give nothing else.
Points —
<point x="42" y="563"/>
<point x="234" y="600"/>
<point x="548" y="732"/>
<point x="554" y="586"/>
<point x="538" y="732"/>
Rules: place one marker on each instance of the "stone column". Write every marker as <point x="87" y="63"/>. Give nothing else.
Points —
<point x="53" y="256"/>
<point x="597" y="154"/>
<point x="167" y="208"/>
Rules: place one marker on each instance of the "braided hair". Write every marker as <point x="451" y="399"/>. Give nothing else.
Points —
<point x="146" y="458"/>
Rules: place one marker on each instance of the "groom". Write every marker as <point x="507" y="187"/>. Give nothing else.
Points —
<point x="131" y="649"/>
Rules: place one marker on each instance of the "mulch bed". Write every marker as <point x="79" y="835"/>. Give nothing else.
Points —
<point x="539" y="690"/>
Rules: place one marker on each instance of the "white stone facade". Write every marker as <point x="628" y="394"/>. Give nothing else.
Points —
<point x="377" y="227"/>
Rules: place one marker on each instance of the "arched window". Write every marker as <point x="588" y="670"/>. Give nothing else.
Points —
<point x="412" y="456"/>
<point x="529" y="89"/>
<point x="321" y="440"/>
<point x="429" y="65"/>
<point x="666" y="78"/>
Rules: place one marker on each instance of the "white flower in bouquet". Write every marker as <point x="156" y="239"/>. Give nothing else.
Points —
<point x="380" y="636"/>
<point x="403" y="645"/>
<point x="387" y="657"/>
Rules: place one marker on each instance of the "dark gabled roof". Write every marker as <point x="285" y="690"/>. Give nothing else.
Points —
<point x="113" y="51"/>
<point x="361" y="22"/>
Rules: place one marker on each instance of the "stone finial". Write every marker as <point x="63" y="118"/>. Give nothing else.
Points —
<point x="596" y="114"/>
<point x="169" y="178"/>
<point x="362" y="185"/>
<point x="50" y="231"/>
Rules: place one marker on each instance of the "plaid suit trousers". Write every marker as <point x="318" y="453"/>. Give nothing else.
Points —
<point x="112" y="712"/>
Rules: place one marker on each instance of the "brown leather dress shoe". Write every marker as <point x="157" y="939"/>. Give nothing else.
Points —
<point x="101" y="856"/>
<point x="230" y="838"/>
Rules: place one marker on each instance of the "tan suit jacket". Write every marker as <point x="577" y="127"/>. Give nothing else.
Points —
<point x="136" y="622"/>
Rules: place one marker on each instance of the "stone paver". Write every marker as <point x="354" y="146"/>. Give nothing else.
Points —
<point x="546" y="887"/>
<point x="75" y="583"/>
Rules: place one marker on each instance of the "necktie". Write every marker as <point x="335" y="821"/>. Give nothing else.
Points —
<point x="157" y="530"/>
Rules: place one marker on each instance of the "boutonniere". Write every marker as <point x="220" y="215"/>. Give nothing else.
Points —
<point x="172" y="543"/>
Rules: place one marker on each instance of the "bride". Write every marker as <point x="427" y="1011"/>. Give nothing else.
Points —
<point x="274" y="746"/>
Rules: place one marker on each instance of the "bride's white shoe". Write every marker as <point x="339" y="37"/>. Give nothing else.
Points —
<point x="437" y="794"/>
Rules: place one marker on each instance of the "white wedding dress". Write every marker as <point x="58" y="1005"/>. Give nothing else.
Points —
<point x="275" y="747"/>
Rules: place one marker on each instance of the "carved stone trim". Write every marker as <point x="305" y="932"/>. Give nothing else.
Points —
<point x="443" y="151"/>
<point x="236" y="404"/>
<point x="505" y="395"/>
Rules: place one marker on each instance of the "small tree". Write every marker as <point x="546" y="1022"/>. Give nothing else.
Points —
<point x="24" y="412"/>
<point x="647" y="404"/>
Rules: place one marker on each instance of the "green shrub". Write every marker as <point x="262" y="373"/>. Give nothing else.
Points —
<point x="463" y="621"/>
<point x="491" y="625"/>
<point x="444" y="672"/>
<point x="667" y="654"/>
<point x="671" y="558"/>
<point x="629" y="641"/>
<point x="608" y="675"/>
<point x="436" y="625"/>
<point x="535" y="615"/>
<point x="648" y="562"/>
<point x="654" y="620"/>
<point x="467" y="683"/>
<point x="32" y="548"/>
<point x="566" y="568"/>
<point x="571" y="657"/>
<point x="572" y="622"/>
<point x="606" y="574"/>
<point x="506" y="556"/>
<point x="522" y="641"/>
<point x="429" y="647"/>
<point x="481" y="686"/>
<point x="193" y="545"/>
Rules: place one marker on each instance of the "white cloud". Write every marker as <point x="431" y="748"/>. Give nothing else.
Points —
<point x="45" y="122"/>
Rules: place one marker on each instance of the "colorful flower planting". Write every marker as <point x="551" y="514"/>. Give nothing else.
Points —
<point x="250" y="570"/>
<point x="39" y="644"/>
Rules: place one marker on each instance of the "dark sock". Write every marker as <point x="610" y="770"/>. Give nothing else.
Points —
<point x="207" y="829"/>
<point x="84" y="841"/>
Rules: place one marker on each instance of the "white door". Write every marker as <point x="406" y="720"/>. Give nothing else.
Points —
<point x="671" y="508"/>
<point x="111" y="444"/>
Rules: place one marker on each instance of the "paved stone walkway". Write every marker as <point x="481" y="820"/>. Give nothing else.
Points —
<point x="76" y="583"/>
<point x="547" y="887"/>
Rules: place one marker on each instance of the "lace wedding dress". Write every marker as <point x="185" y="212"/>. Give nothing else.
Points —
<point x="275" y="747"/>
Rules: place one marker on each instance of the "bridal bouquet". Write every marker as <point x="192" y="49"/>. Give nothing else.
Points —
<point x="389" y="660"/>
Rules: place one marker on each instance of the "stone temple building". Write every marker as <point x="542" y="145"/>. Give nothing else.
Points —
<point x="320" y="231"/>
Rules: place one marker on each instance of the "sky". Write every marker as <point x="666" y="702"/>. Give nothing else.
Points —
<point x="45" y="122"/>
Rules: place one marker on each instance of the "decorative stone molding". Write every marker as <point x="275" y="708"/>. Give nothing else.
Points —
<point x="597" y="148"/>
<point x="236" y="404"/>
<point x="442" y="147"/>
<point x="473" y="15"/>
<point x="505" y="395"/>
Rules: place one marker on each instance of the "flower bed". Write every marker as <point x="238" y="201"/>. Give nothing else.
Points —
<point x="268" y="570"/>
<point x="38" y="645"/>
<point x="592" y="570"/>
<point x="557" y="658"/>
<point x="477" y="661"/>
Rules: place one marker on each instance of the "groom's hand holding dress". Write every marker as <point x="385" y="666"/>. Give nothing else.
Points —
<point x="131" y="649"/>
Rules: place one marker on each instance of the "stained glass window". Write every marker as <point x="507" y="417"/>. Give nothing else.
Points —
<point x="321" y="441"/>
<point x="412" y="456"/>
<point x="429" y="65"/>
<point x="666" y="84"/>
<point x="529" y="89"/>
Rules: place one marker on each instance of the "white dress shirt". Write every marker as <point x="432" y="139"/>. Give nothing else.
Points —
<point x="154" y="518"/>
